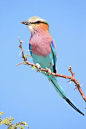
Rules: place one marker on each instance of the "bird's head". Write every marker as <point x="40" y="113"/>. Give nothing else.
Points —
<point x="36" y="24"/>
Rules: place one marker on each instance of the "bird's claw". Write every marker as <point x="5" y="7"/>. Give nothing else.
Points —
<point x="48" y="71"/>
<point x="38" y="67"/>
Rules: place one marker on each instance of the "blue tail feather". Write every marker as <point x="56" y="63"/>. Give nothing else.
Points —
<point x="62" y="92"/>
<point x="57" y="86"/>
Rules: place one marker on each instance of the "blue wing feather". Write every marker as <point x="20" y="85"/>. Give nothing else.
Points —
<point x="53" y="47"/>
<point x="30" y="48"/>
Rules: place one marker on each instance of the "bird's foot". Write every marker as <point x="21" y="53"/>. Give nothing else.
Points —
<point x="38" y="67"/>
<point x="48" y="71"/>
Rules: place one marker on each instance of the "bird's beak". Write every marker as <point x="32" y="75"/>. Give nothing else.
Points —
<point x="25" y="22"/>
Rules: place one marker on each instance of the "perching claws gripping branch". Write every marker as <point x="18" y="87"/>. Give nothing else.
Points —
<point x="38" y="67"/>
<point x="48" y="71"/>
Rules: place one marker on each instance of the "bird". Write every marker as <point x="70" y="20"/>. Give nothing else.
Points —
<point x="44" y="52"/>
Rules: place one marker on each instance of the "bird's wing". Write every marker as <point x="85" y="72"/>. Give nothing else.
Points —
<point x="54" y="51"/>
<point x="30" y="48"/>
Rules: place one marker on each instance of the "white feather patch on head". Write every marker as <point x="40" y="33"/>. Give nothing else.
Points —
<point x="35" y="19"/>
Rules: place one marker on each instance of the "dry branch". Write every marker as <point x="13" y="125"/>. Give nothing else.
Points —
<point x="71" y="78"/>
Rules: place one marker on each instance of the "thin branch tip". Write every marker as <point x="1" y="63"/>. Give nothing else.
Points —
<point x="70" y="68"/>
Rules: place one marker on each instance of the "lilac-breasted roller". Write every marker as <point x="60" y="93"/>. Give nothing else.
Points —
<point x="43" y="51"/>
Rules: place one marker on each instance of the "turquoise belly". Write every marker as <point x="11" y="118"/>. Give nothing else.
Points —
<point x="44" y="61"/>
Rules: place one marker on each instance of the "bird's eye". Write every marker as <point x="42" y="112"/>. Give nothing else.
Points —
<point x="38" y="22"/>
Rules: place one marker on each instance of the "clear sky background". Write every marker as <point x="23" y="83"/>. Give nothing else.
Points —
<point x="26" y="95"/>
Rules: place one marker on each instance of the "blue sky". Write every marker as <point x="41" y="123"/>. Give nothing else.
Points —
<point x="26" y="95"/>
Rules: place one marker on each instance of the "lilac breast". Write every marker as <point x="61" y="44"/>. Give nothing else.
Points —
<point x="41" y="43"/>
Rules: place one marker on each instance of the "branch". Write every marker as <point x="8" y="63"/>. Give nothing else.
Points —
<point x="71" y="78"/>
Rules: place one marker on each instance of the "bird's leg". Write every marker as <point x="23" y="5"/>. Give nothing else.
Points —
<point x="48" y="71"/>
<point x="38" y="67"/>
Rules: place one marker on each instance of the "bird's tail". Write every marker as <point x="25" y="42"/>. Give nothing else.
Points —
<point x="62" y="92"/>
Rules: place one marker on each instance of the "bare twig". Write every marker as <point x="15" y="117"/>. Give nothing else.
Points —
<point x="71" y="78"/>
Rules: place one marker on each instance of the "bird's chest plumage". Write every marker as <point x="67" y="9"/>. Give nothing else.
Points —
<point x="41" y="50"/>
<point x="40" y="43"/>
